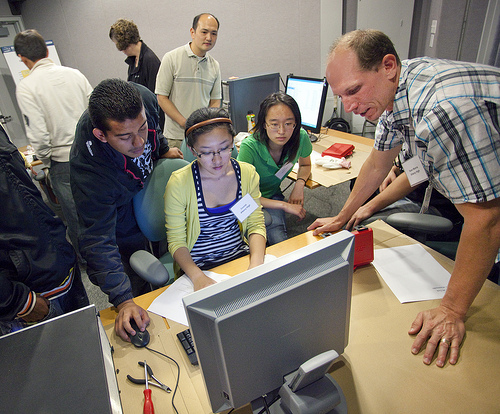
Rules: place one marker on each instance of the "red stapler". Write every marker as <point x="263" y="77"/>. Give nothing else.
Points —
<point x="363" y="245"/>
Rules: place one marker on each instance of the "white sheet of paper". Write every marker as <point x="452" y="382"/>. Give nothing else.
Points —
<point x="411" y="273"/>
<point x="169" y="303"/>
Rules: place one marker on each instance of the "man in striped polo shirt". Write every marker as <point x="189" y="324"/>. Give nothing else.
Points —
<point x="447" y="115"/>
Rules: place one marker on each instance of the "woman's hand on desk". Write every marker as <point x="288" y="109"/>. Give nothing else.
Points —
<point x="126" y="311"/>
<point x="201" y="280"/>
<point x="443" y="330"/>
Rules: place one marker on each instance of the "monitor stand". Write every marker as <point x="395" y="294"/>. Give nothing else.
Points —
<point x="309" y="390"/>
<point x="312" y="137"/>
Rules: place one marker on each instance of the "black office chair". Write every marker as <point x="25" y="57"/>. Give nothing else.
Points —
<point x="438" y="232"/>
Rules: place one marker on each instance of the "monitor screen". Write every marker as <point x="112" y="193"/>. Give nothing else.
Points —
<point x="310" y="94"/>
<point x="246" y="94"/>
<point x="254" y="328"/>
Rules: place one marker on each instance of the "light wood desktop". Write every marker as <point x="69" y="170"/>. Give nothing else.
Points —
<point x="321" y="176"/>
<point x="377" y="372"/>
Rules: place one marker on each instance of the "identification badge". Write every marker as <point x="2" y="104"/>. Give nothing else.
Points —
<point x="415" y="171"/>
<point x="284" y="170"/>
<point x="243" y="208"/>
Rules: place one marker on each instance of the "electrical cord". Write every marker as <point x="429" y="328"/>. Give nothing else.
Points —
<point x="178" y="374"/>
<point x="266" y="405"/>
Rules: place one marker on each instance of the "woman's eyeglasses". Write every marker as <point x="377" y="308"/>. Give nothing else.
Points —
<point x="276" y="126"/>
<point x="210" y="155"/>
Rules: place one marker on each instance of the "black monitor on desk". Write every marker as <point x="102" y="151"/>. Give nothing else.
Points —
<point x="252" y="330"/>
<point x="310" y="95"/>
<point x="246" y="94"/>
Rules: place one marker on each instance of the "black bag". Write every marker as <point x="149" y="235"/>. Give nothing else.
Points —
<point x="337" y="123"/>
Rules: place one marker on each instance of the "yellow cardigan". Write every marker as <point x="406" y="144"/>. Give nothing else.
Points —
<point x="181" y="208"/>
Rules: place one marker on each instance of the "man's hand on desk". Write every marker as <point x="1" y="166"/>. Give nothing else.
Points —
<point x="443" y="330"/>
<point x="325" y="224"/>
<point x="126" y="311"/>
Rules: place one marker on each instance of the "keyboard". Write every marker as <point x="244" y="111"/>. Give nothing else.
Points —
<point x="188" y="345"/>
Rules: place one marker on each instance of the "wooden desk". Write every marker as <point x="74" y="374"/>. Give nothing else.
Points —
<point x="321" y="176"/>
<point x="377" y="372"/>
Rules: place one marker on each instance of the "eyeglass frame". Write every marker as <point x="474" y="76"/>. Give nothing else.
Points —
<point x="202" y="155"/>
<point x="285" y="127"/>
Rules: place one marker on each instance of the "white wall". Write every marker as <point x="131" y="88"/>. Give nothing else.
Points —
<point x="255" y="36"/>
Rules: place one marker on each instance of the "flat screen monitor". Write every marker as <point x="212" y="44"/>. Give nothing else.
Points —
<point x="310" y="94"/>
<point x="246" y="94"/>
<point x="254" y="328"/>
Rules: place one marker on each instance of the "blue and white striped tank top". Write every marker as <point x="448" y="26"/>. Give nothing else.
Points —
<point x="220" y="238"/>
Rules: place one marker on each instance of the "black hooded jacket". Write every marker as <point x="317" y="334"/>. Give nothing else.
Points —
<point x="34" y="254"/>
<point x="104" y="182"/>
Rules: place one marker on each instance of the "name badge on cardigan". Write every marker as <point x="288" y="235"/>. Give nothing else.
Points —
<point x="243" y="208"/>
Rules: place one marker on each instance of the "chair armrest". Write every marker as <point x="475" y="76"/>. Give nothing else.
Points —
<point x="149" y="268"/>
<point x="420" y="223"/>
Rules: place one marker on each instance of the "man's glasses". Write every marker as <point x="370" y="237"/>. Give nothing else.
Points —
<point x="275" y="126"/>
<point x="210" y="155"/>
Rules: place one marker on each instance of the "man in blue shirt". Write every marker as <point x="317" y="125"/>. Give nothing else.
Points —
<point x="447" y="114"/>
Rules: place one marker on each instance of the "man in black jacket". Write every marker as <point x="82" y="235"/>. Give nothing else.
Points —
<point x="39" y="274"/>
<point x="116" y="142"/>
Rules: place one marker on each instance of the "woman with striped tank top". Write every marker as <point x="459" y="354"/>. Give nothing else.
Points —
<point x="212" y="206"/>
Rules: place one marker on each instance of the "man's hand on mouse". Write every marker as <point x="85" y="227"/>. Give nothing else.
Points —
<point x="126" y="311"/>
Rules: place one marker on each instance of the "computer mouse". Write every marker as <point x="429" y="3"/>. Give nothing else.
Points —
<point x="140" y="339"/>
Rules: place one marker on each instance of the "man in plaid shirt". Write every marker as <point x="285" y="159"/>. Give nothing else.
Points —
<point x="447" y="114"/>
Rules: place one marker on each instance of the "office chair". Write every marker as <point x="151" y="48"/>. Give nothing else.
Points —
<point x="189" y="156"/>
<point x="420" y="225"/>
<point x="444" y="233"/>
<point x="149" y="209"/>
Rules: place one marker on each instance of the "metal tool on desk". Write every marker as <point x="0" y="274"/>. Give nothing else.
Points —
<point x="148" y="404"/>
<point x="149" y="372"/>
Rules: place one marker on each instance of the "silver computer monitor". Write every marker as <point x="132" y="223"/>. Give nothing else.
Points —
<point x="254" y="328"/>
<point x="310" y="95"/>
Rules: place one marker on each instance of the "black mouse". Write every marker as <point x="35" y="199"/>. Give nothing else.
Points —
<point x="140" y="339"/>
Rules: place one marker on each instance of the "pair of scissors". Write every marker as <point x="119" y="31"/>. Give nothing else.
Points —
<point x="158" y="383"/>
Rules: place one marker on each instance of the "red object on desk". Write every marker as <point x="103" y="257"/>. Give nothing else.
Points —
<point x="338" y="150"/>
<point x="363" y="246"/>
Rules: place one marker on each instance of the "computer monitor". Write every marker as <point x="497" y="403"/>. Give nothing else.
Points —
<point x="246" y="94"/>
<point x="310" y="94"/>
<point x="254" y="328"/>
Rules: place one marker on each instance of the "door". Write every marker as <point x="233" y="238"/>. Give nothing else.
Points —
<point x="10" y="114"/>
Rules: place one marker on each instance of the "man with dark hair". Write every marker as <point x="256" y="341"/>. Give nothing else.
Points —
<point x="39" y="273"/>
<point x="447" y="115"/>
<point x="189" y="78"/>
<point x="52" y="99"/>
<point x="143" y="64"/>
<point x="116" y="142"/>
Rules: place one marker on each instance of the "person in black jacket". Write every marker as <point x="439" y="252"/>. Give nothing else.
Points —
<point x="143" y="64"/>
<point x="116" y="141"/>
<point x="39" y="274"/>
